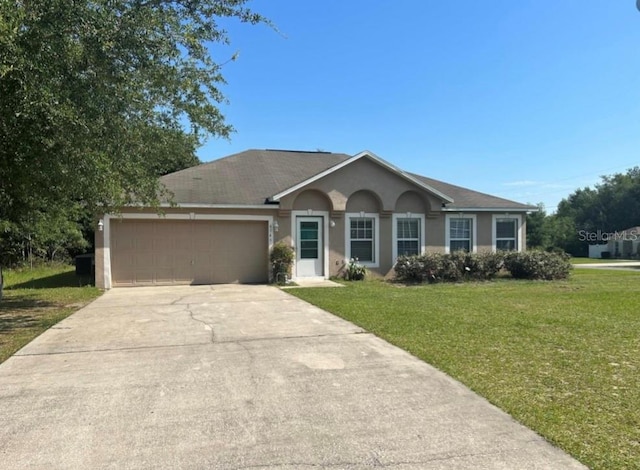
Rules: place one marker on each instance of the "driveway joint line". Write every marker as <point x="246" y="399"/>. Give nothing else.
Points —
<point x="266" y="338"/>
<point x="176" y="304"/>
<point x="375" y="462"/>
<point x="84" y="351"/>
<point x="239" y="342"/>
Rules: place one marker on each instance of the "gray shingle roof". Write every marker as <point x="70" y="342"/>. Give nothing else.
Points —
<point x="253" y="176"/>
<point x="249" y="177"/>
<point x="464" y="198"/>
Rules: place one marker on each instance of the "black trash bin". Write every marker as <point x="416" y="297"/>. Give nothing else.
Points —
<point x="85" y="264"/>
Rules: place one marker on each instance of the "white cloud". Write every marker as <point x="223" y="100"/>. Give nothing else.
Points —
<point x="521" y="183"/>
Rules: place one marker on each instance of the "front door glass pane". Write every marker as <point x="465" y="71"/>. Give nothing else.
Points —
<point x="309" y="240"/>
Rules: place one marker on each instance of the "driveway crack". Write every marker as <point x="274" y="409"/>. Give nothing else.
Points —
<point x="177" y="301"/>
<point x="207" y="325"/>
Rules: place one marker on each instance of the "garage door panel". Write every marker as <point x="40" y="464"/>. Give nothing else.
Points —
<point x="148" y="252"/>
<point x="182" y="270"/>
<point x="164" y="244"/>
<point x="205" y="266"/>
<point x="144" y="277"/>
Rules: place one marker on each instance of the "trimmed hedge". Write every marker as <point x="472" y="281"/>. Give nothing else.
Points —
<point x="540" y="265"/>
<point x="462" y="266"/>
<point x="454" y="267"/>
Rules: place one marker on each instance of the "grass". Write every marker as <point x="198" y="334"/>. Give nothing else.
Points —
<point x="35" y="300"/>
<point x="561" y="357"/>
<point x="598" y="260"/>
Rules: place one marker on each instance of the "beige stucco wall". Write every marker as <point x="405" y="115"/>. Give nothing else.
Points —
<point x="364" y="186"/>
<point x="312" y="199"/>
<point x="410" y="201"/>
<point x="362" y="174"/>
<point x="434" y="234"/>
<point x="484" y="220"/>
<point x="99" y="258"/>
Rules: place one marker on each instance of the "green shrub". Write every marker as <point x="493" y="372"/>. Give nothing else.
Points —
<point x="354" y="271"/>
<point x="454" y="267"/>
<point x="282" y="257"/>
<point x="538" y="265"/>
<point x="419" y="268"/>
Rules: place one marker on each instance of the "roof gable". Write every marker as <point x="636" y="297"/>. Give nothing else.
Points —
<point x="373" y="157"/>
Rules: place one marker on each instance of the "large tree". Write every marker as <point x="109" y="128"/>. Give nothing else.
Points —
<point x="98" y="97"/>
<point x="612" y="205"/>
<point x="537" y="233"/>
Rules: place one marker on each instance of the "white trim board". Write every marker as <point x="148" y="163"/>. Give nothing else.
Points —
<point x="488" y="209"/>
<point x="198" y="205"/>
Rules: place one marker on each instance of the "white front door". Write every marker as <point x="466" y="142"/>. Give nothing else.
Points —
<point x="309" y="247"/>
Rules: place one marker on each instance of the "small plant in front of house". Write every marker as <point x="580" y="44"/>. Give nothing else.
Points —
<point x="354" y="271"/>
<point x="282" y="256"/>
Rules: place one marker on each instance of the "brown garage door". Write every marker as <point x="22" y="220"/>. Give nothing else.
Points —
<point x="150" y="252"/>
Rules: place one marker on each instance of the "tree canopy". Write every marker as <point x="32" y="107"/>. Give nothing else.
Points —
<point x="612" y="205"/>
<point x="100" y="97"/>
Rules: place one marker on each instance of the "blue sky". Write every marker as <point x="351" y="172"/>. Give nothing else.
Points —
<point x="526" y="99"/>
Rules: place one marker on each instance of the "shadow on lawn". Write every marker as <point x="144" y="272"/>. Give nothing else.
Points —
<point x="67" y="279"/>
<point x="21" y="312"/>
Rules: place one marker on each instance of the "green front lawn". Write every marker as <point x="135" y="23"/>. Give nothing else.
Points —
<point x="598" y="260"/>
<point x="35" y="300"/>
<point x="561" y="357"/>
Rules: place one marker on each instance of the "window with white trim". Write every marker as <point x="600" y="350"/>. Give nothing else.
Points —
<point x="408" y="236"/>
<point x="506" y="234"/>
<point x="460" y="234"/>
<point x="362" y="238"/>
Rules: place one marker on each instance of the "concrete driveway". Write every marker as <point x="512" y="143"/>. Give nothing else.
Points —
<point x="241" y="377"/>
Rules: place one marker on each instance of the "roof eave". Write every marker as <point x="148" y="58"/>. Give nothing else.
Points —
<point x="194" y="205"/>
<point x="491" y="209"/>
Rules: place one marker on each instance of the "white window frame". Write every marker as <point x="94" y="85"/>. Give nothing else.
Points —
<point x="421" y="243"/>
<point x="474" y="231"/>
<point x="494" y="230"/>
<point x="376" y="236"/>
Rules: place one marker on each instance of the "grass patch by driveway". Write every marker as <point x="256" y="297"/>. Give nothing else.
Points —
<point x="561" y="357"/>
<point x="36" y="299"/>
